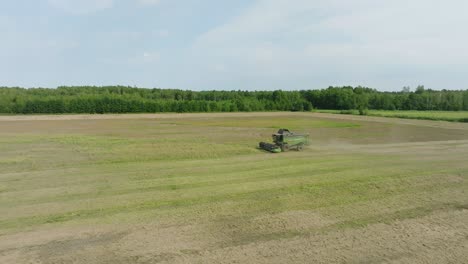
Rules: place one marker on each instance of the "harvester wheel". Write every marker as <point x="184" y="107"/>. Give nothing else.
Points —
<point x="299" y="147"/>
<point x="284" y="147"/>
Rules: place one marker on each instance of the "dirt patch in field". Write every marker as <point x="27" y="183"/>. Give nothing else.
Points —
<point x="136" y="116"/>
<point x="429" y="123"/>
<point x="240" y="230"/>
<point x="438" y="238"/>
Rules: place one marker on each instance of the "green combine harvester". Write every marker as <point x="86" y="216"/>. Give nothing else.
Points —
<point x="285" y="140"/>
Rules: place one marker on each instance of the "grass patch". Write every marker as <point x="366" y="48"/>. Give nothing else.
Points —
<point x="195" y="169"/>
<point x="273" y="123"/>
<point x="452" y="116"/>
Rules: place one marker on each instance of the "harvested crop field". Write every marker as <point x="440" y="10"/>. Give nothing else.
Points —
<point x="193" y="188"/>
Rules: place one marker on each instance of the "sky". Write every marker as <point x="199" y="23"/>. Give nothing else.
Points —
<point x="237" y="44"/>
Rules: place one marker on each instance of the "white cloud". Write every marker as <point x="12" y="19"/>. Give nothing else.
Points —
<point x="81" y="6"/>
<point x="296" y="37"/>
<point x="162" y="33"/>
<point x="151" y="56"/>
<point x="220" y="67"/>
<point x="136" y="59"/>
<point x="126" y="34"/>
<point x="149" y="2"/>
<point x="4" y="20"/>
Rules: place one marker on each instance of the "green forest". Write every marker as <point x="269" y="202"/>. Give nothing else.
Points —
<point x="125" y="99"/>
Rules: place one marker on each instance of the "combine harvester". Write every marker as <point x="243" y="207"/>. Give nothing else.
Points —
<point x="284" y="140"/>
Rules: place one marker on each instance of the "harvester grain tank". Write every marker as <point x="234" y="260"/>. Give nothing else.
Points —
<point x="285" y="140"/>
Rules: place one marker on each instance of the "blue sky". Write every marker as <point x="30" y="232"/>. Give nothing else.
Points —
<point x="248" y="45"/>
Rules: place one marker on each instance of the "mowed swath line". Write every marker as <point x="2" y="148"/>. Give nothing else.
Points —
<point x="232" y="186"/>
<point x="144" y="168"/>
<point x="122" y="185"/>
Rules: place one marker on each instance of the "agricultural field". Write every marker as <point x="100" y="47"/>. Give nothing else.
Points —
<point x="452" y="116"/>
<point x="194" y="188"/>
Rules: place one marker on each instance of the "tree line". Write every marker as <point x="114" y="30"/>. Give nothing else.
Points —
<point x="124" y="99"/>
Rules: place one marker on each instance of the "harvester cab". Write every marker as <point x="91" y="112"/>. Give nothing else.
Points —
<point x="284" y="140"/>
